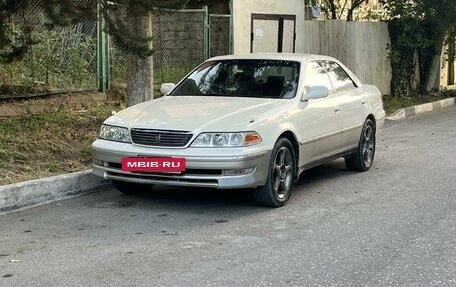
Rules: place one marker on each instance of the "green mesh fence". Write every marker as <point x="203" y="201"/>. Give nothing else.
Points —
<point x="220" y="35"/>
<point x="63" y="59"/>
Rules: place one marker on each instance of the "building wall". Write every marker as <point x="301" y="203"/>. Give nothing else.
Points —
<point x="243" y="9"/>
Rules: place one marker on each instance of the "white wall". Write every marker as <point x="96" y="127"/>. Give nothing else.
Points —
<point x="243" y="9"/>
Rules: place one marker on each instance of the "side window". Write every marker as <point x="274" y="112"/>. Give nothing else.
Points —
<point x="339" y="78"/>
<point x="316" y="76"/>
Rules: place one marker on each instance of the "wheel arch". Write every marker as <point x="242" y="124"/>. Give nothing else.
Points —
<point x="374" y="121"/>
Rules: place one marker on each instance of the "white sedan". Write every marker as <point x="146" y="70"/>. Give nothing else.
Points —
<point x="254" y="121"/>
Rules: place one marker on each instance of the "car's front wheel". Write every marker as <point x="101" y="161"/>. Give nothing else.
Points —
<point x="363" y="158"/>
<point x="281" y="176"/>
<point x="131" y="187"/>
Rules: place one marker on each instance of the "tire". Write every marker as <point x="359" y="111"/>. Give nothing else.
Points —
<point x="281" y="176"/>
<point x="363" y="158"/>
<point x="131" y="187"/>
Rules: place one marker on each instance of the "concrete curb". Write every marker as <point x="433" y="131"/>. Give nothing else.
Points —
<point x="44" y="190"/>
<point x="420" y="109"/>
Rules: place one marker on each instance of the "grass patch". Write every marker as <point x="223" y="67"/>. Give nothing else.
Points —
<point x="38" y="145"/>
<point x="392" y="104"/>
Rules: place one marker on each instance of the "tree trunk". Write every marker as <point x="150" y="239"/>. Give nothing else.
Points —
<point x="451" y="57"/>
<point x="433" y="75"/>
<point x="332" y="8"/>
<point x="140" y="80"/>
<point x="432" y="80"/>
<point x="350" y="14"/>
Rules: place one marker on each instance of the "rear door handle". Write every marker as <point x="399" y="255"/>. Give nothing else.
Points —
<point x="337" y="110"/>
<point x="363" y="102"/>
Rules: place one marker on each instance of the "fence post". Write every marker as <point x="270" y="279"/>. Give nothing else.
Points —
<point x="102" y="51"/>
<point x="207" y="28"/>
<point x="107" y="61"/>
<point x="230" y="41"/>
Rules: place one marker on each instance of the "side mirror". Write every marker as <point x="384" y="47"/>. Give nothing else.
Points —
<point x="316" y="92"/>
<point x="166" y="88"/>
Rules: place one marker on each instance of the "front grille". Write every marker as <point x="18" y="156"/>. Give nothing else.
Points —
<point x="160" y="138"/>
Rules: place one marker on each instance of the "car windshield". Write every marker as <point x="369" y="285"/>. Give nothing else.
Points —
<point x="242" y="78"/>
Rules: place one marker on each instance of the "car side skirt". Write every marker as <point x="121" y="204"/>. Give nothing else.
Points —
<point x="325" y="160"/>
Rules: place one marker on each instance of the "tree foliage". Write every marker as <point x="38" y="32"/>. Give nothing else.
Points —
<point x="417" y="27"/>
<point x="335" y="9"/>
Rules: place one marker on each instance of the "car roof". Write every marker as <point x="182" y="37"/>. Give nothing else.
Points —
<point x="273" y="56"/>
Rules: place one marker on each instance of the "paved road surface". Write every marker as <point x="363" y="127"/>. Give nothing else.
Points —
<point x="391" y="226"/>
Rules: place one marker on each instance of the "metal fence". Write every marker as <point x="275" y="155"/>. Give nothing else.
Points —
<point x="181" y="40"/>
<point x="220" y="35"/>
<point x="82" y="57"/>
<point x="61" y="59"/>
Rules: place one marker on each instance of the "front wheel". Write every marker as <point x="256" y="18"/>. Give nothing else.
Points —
<point x="362" y="159"/>
<point x="281" y="176"/>
<point x="131" y="187"/>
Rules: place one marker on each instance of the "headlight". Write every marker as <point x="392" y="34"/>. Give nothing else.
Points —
<point x="112" y="133"/>
<point x="239" y="139"/>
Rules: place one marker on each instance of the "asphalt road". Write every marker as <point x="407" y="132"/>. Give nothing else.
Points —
<point x="392" y="226"/>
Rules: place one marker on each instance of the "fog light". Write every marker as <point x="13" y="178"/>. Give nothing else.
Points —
<point x="97" y="162"/>
<point x="228" y="172"/>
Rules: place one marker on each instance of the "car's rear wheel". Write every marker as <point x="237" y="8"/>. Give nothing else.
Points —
<point x="281" y="176"/>
<point x="363" y="158"/>
<point x="131" y="187"/>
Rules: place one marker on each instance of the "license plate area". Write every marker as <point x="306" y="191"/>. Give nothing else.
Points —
<point x="153" y="164"/>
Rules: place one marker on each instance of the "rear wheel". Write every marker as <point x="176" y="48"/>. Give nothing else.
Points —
<point x="281" y="176"/>
<point x="131" y="187"/>
<point x="363" y="158"/>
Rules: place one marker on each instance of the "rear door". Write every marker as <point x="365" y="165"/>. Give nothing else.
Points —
<point x="351" y="101"/>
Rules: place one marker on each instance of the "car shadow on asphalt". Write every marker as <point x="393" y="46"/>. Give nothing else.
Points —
<point x="191" y="196"/>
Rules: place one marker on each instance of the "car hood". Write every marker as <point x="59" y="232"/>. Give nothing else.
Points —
<point x="190" y="113"/>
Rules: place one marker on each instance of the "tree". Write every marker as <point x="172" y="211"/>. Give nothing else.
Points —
<point x="334" y="9"/>
<point x="127" y="21"/>
<point x="420" y="26"/>
<point x="354" y="5"/>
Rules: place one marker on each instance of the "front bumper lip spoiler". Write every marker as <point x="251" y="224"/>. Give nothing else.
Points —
<point x="175" y="182"/>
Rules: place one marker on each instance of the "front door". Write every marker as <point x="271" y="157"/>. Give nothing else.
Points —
<point x="273" y="33"/>
<point x="321" y="123"/>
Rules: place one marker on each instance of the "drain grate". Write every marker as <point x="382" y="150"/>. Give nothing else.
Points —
<point x="112" y="204"/>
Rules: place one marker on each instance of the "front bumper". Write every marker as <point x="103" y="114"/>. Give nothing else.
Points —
<point x="215" y="168"/>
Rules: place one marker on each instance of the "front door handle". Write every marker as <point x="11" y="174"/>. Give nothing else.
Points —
<point x="337" y="110"/>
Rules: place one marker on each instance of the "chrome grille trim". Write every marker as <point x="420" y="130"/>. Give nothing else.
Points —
<point x="160" y="138"/>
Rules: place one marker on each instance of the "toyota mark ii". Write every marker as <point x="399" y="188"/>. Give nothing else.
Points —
<point x="255" y="121"/>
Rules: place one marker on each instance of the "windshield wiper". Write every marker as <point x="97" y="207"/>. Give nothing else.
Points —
<point x="217" y="95"/>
